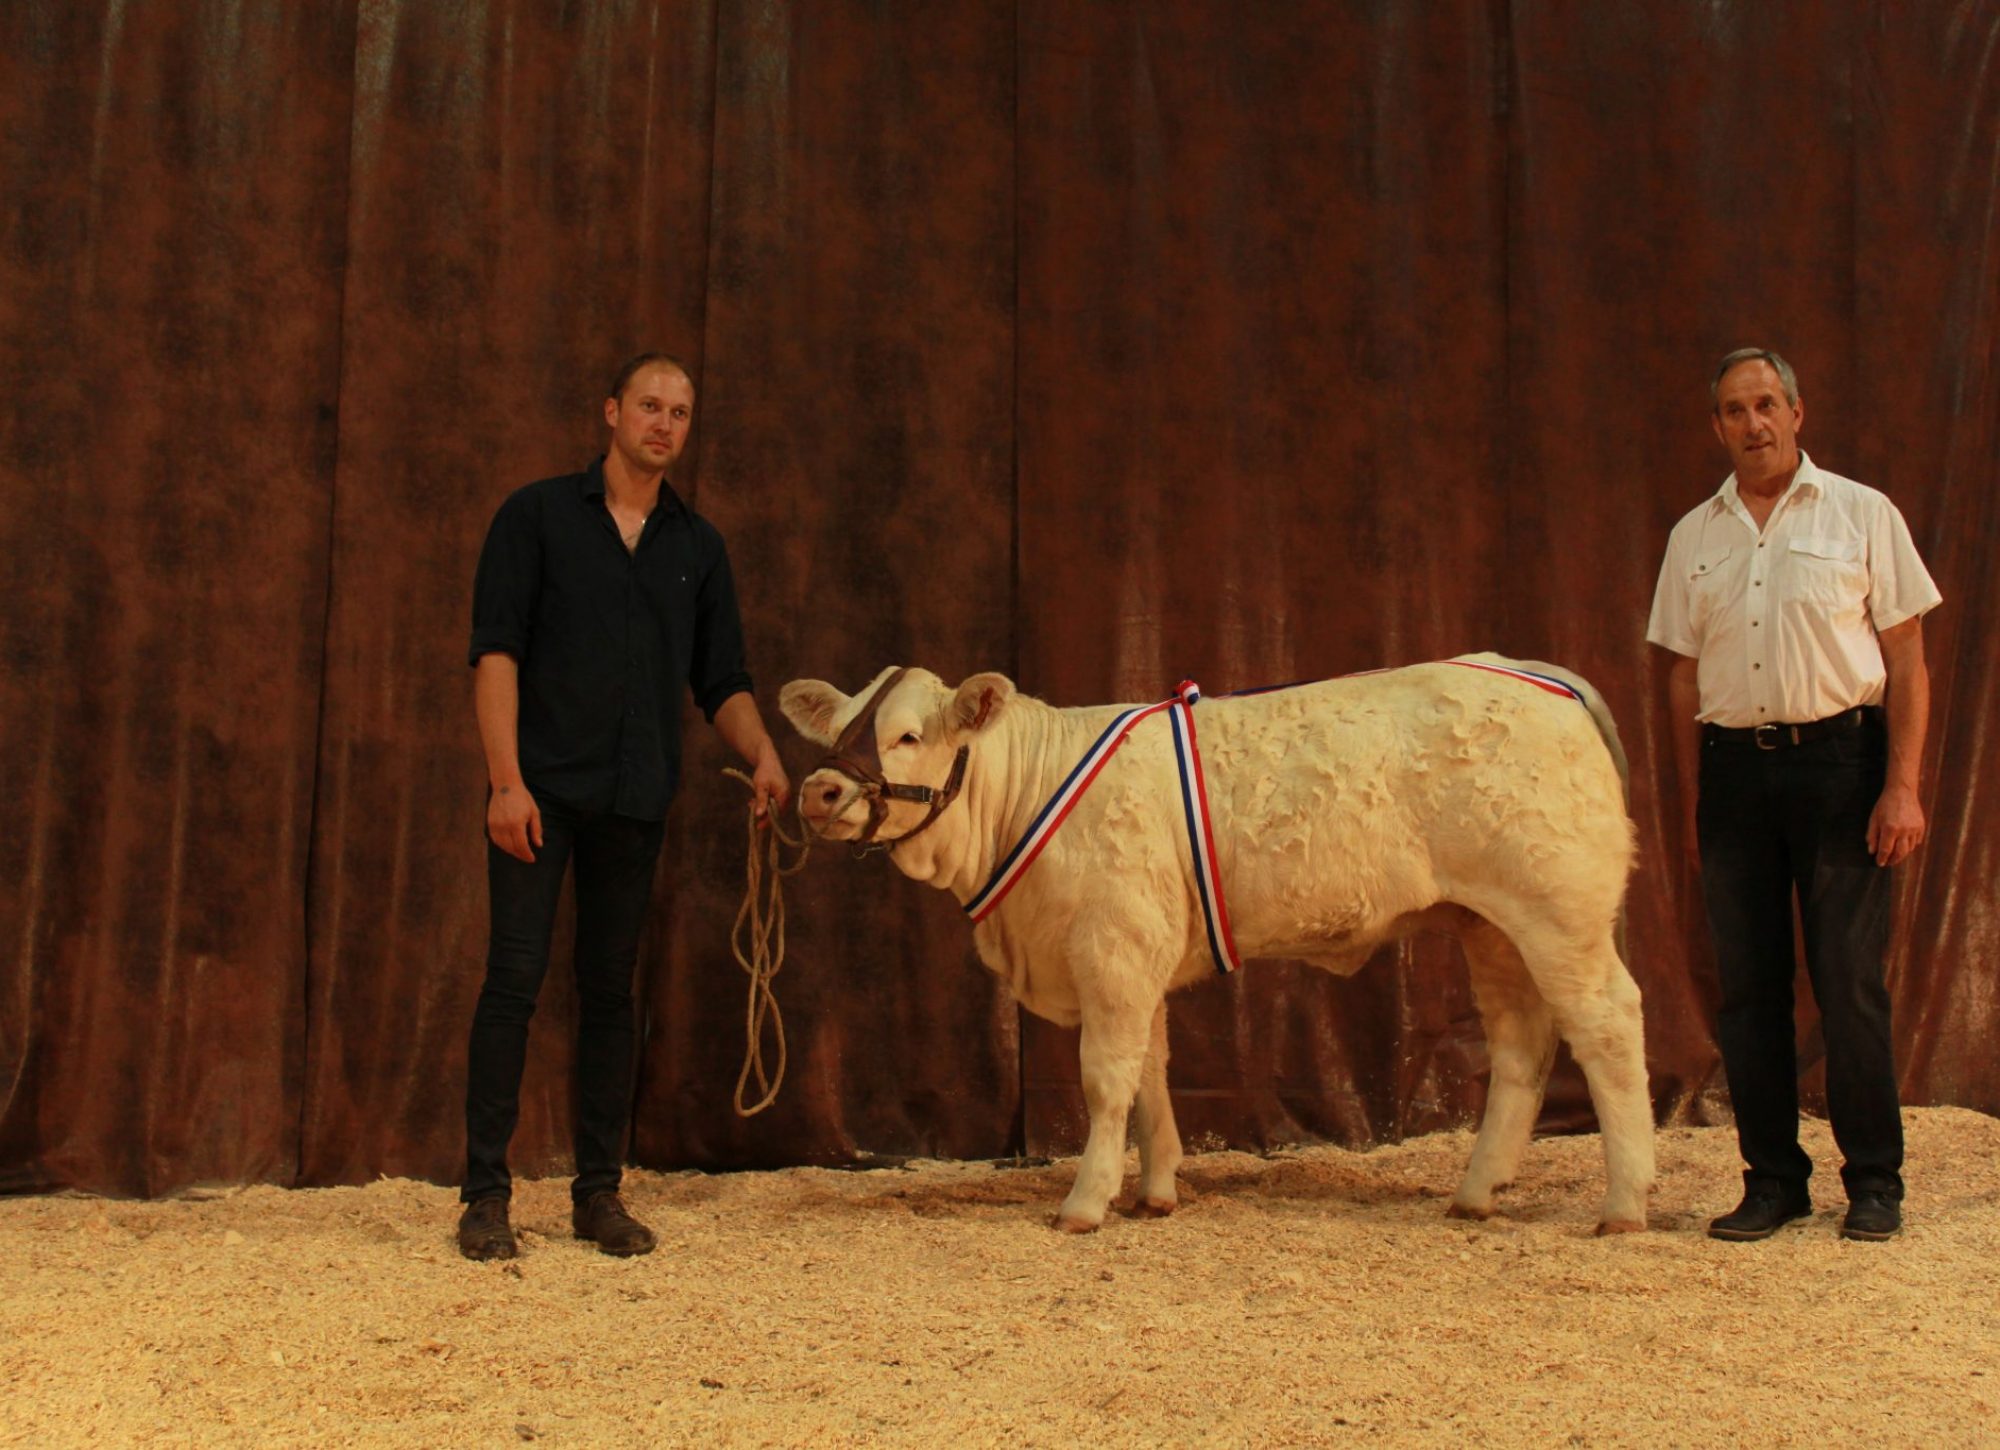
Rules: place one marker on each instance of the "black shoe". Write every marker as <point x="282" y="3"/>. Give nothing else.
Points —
<point x="1762" y="1213"/>
<point x="1873" y="1217"/>
<point x="483" y="1231"/>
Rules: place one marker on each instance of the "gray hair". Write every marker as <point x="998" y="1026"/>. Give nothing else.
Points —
<point x="1786" y="377"/>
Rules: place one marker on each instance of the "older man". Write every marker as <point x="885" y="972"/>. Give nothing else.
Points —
<point x="601" y="601"/>
<point x="1791" y="601"/>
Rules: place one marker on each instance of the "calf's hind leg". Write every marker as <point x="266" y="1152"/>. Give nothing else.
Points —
<point x="1596" y="1006"/>
<point x="1521" y="1041"/>
<point x="1159" y="1136"/>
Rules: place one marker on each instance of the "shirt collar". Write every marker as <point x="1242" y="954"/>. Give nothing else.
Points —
<point x="1805" y="479"/>
<point x="590" y="488"/>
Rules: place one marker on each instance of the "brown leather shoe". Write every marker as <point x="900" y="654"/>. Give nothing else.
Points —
<point x="483" y="1232"/>
<point x="602" y="1219"/>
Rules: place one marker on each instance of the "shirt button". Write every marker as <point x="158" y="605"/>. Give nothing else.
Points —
<point x="1757" y="583"/>
<point x="1756" y="667"/>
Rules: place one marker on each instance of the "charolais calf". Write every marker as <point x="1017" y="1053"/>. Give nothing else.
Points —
<point x="1479" y="796"/>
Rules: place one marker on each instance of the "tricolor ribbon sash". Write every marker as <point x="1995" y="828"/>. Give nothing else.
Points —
<point x="1544" y="682"/>
<point x="1201" y="830"/>
<point x="1194" y="803"/>
<point x="1056" y="810"/>
<point x="1179" y="707"/>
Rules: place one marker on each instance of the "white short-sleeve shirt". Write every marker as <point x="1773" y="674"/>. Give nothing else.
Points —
<point x="1783" y="624"/>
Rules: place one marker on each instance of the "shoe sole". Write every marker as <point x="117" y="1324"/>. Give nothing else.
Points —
<point x="631" y="1253"/>
<point x="1869" y="1236"/>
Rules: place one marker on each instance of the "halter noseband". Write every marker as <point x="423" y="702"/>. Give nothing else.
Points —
<point x="857" y="756"/>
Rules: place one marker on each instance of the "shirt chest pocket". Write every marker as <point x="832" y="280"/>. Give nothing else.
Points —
<point x="1827" y="574"/>
<point x="1707" y="582"/>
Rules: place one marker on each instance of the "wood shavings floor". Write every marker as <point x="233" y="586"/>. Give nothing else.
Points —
<point x="1313" y="1297"/>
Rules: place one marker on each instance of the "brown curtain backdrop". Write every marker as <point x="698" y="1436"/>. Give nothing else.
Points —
<point x="175" y="186"/>
<point x="1099" y="344"/>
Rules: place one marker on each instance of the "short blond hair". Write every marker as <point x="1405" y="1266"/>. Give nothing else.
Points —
<point x="631" y="366"/>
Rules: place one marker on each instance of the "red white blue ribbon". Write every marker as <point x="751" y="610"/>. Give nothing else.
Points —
<point x="1201" y="829"/>
<point x="1056" y="811"/>
<point x="1194" y="800"/>
<point x="1545" y="682"/>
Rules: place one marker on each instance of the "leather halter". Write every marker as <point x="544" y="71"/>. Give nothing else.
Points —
<point x="857" y="756"/>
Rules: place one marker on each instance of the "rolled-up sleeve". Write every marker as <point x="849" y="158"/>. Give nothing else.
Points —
<point x="718" y="669"/>
<point x="504" y="589"/>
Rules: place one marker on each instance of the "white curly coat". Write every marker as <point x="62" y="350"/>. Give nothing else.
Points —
<point x="1347" y="813"/>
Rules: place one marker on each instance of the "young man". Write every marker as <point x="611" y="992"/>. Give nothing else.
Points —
<point x="1791" y="600"/>
<point x="600" y="598"/>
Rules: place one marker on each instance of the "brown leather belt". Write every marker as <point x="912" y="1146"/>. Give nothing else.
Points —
<point x="1782" y="737"/>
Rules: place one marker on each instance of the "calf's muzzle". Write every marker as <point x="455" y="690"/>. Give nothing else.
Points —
<point x="857" y="756"/>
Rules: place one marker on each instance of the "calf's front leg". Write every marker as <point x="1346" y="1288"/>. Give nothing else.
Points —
<point x="1113" y="1053"/>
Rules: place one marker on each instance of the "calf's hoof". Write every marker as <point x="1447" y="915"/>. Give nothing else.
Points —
<point x="1621" y="1226"/>
<point x="1153" y="1207"/>
<point x="1066" y="1223"/>
<point x="1466" y="1210"/>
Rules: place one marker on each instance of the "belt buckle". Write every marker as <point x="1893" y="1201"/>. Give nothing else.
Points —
<point x="1766" y="736"/>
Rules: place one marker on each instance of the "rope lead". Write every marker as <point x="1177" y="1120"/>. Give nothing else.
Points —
<point x="758" y="942"/>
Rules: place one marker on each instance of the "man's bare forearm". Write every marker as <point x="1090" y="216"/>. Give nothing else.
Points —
<point x="496" y="699"/>
<point x="1683" y="705"/>
<point x="740" y="725"/>
<point x="1909" y="702"/>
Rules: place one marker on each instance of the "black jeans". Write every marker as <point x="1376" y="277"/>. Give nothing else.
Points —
<point x="1773" y="823"/>
<point x="614" y="858"/>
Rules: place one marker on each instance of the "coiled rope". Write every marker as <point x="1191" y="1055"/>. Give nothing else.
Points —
<point x="758" y="941"/>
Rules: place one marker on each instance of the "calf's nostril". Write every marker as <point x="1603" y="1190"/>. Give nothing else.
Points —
<point x="829" y="795"/>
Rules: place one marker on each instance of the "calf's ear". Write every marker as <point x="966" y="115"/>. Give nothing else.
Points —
<point x="978" y="700"/>
<point x="811" y="706"/>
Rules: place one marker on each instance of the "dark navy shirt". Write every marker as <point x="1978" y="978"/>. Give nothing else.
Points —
<point x="606" y="640"/>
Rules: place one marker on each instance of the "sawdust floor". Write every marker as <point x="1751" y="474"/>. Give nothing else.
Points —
<point x="1314" y="1297"/>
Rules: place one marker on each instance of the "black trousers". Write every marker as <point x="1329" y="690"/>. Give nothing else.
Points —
<point x="614" y="857"/>
<point x="1773" y="824"/>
